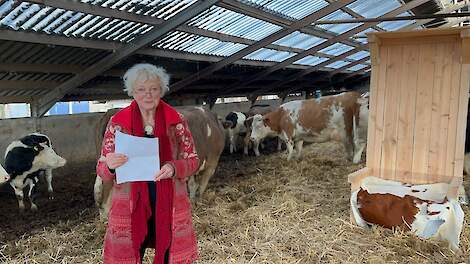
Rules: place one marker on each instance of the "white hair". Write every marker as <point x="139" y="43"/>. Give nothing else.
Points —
<point x="144" y="72"/>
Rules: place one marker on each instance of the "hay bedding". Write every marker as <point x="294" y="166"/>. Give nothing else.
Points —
<point x="256" y="210"/>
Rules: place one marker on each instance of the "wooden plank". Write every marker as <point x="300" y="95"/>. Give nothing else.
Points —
<point x="374" y="82"/>
<point x="392" y="98"/>
<point x="445" y="94"/>
<point x="454" y="107"/>
<point x="436" y="104"/>
<point x="466" y="50"/>
<point x="423" y="113"/>
<point x="420" y="33"/>
<point x="421" y="40"/>
<point x="406" y="115"/>
<point x="379" y="112"/>
<point x="460" y="133"/>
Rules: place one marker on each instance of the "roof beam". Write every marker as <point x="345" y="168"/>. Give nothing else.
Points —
<point x="49" y="99"/>
<point x="128" y="16"/>
<point x="323" y="45"/>
<point x="259" y="13"/>
<point x="356" y="15"/>
<point x="8" y="85"/>
<point x="301" y="74"/>
<point x="111" y="46"/>
<point x="383" y="19"/>
<point x="260" y="44"/>
<point x="349" y="65"/>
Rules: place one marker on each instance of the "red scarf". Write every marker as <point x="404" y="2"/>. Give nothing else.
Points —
<point x="139" y="195"/>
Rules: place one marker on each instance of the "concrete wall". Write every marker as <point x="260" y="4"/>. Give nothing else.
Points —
<point x="72" y="136"/>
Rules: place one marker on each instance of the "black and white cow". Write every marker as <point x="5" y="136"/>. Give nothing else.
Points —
<point x="4" y="177"/>
<point x="26" y="160"/>
<point x="235" y="124"/>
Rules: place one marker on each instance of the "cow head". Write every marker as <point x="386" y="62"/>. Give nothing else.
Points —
<point x="260" y="128"/>
<point x="227" y="124"/>
<point x="46" y="157"/>
<point x="4" y="177"/>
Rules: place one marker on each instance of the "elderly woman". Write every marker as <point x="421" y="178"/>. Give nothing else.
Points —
<point x="153" y="214"/>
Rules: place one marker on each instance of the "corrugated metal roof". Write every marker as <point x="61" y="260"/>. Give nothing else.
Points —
<point x="296" y="9"/>
<point x="225" y="21"/>
<point x="394" y="25"/>
<point x="182" y="41"/>
<point x="338" y="28"/>
<point x="337" y="64"/>
<point x="356" y="67"/>
<point x="336" y="49"/>
<point x="373" y="8"/>
<point x="299" y="40"/>
<point x="311" y="60"/>
<point x="269" y="55"/>
<point x="216" y="22"/>
<point x="359" y="55"/>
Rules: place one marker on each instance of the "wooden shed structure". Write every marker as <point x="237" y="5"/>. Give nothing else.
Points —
<point x="418" y="107"/>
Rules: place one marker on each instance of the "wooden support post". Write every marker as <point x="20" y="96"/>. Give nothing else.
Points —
<point x="35" y="115"/>
<point x="211" y="101"/>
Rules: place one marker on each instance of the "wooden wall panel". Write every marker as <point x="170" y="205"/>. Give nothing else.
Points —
<point x="454" y="109"/>
<point x="390" y="122"/>
<point x="407" y="108"/>
<point x="445" y="93"/>
<point x="437" y="103"/>
<point x="423" y="112"/>
<point x="379" y="112"/>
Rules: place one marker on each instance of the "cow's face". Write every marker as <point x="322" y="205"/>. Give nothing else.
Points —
<point x="48" y="159"/>
<point x="260" y="128"/>
<point x="4" y="177"/>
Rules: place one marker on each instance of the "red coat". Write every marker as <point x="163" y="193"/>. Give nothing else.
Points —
<point x="118" y="247"/>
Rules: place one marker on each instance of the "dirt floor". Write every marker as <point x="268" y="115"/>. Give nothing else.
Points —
<point x="256" y="210"/>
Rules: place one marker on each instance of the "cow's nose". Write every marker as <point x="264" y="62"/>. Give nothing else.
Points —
<point x="6" y="178"/>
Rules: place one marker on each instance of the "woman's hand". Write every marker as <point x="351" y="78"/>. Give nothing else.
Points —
<point x="115" y="160"/>
<point x="166" y="172"/>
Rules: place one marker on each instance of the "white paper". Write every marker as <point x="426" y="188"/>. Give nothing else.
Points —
<point x="143" y="158"/>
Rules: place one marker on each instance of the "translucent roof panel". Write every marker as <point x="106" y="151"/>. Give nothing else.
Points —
<point x="296" y="9"/>
<point x="181" y="41"/>
<point x="373" y="8"/>
<point x="359" y="55"/>
<point x="39" y="18"/>
<point x="336" y="49"/>
<point x="394" y="25"/>
<point x="356" y="67"/>
<point x="225" y="21"/>
<point x="338" y="64"/>
<point x="299" y="40"/>
<point x="311" y="60"/>
<point x="269" y="55"/>
<point x="362" y="35"/>
<point x="338" y="28"/>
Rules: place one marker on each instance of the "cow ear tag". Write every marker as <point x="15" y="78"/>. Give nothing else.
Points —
<point x="36" y="148"/>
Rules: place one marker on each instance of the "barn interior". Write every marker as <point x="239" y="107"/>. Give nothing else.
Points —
<point x="256" y="209"/>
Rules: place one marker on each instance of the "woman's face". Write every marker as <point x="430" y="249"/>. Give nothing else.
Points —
<point x="147" y="94"/>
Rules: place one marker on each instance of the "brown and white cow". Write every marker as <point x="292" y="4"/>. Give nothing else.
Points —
<point x="341" y="117"/>
<point x="208" y="135"/>
<point x="209" y="140"/>
<point x="248" y="142"/>
<point x="423" y="209"/>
